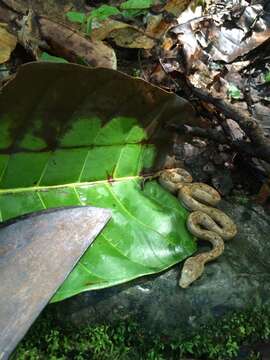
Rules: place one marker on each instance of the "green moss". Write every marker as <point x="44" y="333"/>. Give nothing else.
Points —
<point x="220" y="340"/>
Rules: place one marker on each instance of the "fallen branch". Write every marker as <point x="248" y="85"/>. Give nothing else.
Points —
<point x="259" y="144"/>
<point x="250" y="125"/>
<point x="218" y="137"/>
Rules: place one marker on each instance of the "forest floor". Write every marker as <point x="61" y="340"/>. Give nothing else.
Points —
<point x="213" y="53"/>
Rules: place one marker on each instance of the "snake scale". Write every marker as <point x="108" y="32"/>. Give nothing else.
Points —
<point x="205" y="221"/>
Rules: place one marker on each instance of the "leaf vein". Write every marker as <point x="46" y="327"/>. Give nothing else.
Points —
<point x="137" y="220"/>
<point x="4" y="170"/>
<point x="122" y="254"/>
<point x="44" y="169"/>
<point x="90" y="271"/>
<point x="41" y="200"/>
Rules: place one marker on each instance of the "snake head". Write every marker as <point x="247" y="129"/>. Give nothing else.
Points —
<point x="191" y="271"/>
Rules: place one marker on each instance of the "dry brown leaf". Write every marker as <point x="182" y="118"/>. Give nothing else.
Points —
<point x="104" y="28"/>
<point x="124" y="35"/>
<point x="157" y="26"/>
<point x="7" y="44"/>
<point x="176" y="7"/>
<point x="132" y="38"/>
<point x="223" y="42"/>
<point x="66" y="42"/>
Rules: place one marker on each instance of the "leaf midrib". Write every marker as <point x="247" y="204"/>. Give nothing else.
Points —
<point x="69" y="185"/>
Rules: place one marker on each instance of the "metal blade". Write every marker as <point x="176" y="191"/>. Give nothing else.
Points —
<point x="37" y="253"/>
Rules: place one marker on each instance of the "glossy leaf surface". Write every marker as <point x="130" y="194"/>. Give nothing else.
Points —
<point x="85" y="136"/>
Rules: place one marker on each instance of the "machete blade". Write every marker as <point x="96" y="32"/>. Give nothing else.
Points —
<point x="37" y="252"/>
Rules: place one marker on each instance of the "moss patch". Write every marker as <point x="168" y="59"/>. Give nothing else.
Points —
<point x="219" y="340"/>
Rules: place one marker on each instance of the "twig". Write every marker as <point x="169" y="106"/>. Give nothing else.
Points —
<point x="218" y="137"/>
<point x="14" y="6"/>
<point x="259" y="145"/>
<point x="209" y="133"/>
<point x="248" y="123"/>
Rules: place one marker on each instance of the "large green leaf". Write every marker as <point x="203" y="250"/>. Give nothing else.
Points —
<point x="71" y="135"/>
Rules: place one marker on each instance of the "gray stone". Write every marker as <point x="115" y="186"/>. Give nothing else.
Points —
<point x="239" y="278"/>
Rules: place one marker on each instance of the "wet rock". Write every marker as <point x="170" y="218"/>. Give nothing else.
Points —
<point x="261" y="112"/>
<point x="207" y="165"/>
<point x="196" y="166"/>
<point x="222" y="181"/>
<point x="239" y="278"/>
<point x="209" y="168"/>
<point x="187" y="151"/>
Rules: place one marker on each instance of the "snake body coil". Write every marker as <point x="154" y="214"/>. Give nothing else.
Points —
<point x="205" y="221"/>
